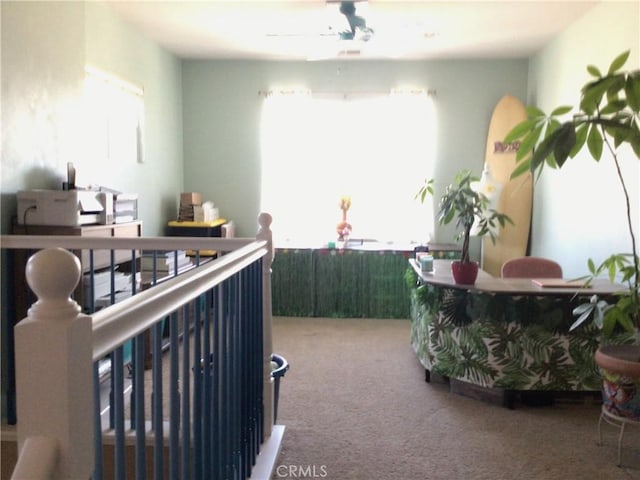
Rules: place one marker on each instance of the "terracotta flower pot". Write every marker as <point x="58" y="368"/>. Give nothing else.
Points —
<point x="620" y="369"/>
<point x="464" y="273"/>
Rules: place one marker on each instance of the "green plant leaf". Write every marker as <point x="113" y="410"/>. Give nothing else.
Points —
<point x="566" y="139"/>
<point x="612" y="271"/>
<point x="625" y="322"/>
<point x="595" y="142"/>
<point x="552" y="126"/>
<point x="426" y="189"/>
<point x="607" y="328"/>
<point x="551" y="161"/>
<point x="448" y="216"/>
<point x="593" y="92"/>
<point x="634" y="140"/>
<point x="544" y="150"/>
<point x="581" y="137"/>
<point x="619" y="62"/>
<point x="619" y="131"/>
<point x="613" y="107"/>
<point x="521" y="168"/>
<point x="529" y="142"/>
<point x="594" y="71"/>
<point x="632" y="92"/>
<point x="561" y="110"/>
<point x="534" y="112"/>
<point x="520" y="130"/>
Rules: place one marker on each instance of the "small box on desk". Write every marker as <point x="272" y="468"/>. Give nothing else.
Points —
<point x="190" y="198"/>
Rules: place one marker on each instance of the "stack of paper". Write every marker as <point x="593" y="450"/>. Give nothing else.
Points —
<point x="165" y="263"/>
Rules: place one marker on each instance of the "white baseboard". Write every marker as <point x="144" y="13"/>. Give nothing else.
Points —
<point x="268" y="457"/>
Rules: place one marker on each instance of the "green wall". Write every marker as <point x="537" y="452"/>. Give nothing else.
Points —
<point x="222" y="109"/>
<point x="41" y="95"/>
<point x="45" y="47"/>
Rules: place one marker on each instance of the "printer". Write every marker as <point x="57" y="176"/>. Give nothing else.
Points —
<point x="64" y="207"/>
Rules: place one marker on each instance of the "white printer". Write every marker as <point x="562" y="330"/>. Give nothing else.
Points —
<point x="64" y="207"/>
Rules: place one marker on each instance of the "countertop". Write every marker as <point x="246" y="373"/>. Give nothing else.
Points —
<point x="487" y="283"/>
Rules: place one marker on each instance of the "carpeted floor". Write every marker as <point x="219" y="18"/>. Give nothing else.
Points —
<point x="356" y="407"/>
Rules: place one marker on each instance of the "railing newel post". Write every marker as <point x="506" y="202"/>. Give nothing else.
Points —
<point x="54" y="361"/>
<point x="264" y="233"/>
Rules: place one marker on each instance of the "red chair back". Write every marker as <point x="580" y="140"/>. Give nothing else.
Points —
<point x="531" y="267"/>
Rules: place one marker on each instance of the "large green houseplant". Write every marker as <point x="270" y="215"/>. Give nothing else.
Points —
<point x="470" y="207"/>
<point x="608" y="118"/>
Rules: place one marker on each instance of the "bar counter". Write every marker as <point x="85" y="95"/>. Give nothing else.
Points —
<point x="360" y="279"/>
<point x="503" y="339"/>
<point x="489" y="284"/>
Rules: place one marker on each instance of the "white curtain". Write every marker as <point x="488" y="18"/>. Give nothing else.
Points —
<point x="376" y="149"/>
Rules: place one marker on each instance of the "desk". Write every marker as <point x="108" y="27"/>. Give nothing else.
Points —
<point x="489" y="284"/>
<point x="503" y="334"/>
<point x="180" y="228"/>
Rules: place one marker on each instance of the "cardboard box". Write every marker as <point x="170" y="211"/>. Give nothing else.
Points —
<point x="190" y="198"/>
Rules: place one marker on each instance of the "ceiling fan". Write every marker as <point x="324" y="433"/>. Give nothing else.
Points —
<point x="341" y="30"/>
<point x="358" y="29"/>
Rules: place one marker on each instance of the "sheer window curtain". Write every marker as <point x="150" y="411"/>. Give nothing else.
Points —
<point x="376" y="149"/>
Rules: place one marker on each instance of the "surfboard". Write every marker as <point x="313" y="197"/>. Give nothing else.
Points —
<point x="516" y="196"/>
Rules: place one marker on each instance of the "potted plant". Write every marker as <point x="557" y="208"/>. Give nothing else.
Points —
<point x="607" y="118"/>
<point x="471" y="209"/>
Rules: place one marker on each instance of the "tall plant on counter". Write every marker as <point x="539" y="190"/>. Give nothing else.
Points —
<point x="470" y="207"/>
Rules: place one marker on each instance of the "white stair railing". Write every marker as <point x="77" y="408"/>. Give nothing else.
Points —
<point x="56" y="345"/>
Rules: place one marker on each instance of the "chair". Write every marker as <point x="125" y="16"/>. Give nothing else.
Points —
<point x="531" y="267"/>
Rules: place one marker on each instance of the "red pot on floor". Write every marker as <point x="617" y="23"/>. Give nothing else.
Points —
<point x="464" y="273"/>
<point x="620" y="369"/>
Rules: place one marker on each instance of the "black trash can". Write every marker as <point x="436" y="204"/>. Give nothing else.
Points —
<point x="279" y="368"/>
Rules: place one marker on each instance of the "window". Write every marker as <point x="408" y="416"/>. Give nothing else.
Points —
<point x="376" y="149"/>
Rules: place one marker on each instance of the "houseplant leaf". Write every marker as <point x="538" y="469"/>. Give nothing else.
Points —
<point x="594" y="71"/>
<point x="528" y="143"/>
<point x="632" y="91"/>
<point x="566" y="139"/>
<point x="594" y="142"/>
<point x="618" y="62"/>
<point x="520" y="129"/>
<point x="581" y="137"/>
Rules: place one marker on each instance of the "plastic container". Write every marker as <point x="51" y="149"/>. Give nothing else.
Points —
<point x="279" y="368"/>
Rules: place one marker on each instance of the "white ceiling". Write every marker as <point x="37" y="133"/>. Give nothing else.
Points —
<point x="306" y="29"/>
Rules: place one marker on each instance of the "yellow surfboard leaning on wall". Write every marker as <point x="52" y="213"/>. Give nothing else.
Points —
<point x="516" y="196"/>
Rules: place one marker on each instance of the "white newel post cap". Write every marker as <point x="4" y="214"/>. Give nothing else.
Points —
<point x="53" y="274"/>
<point x="264" y="233"/>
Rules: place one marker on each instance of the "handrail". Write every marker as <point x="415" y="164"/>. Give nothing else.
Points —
<point x="122" y="321"/>
<point x="126" y="314"/>
<point x="122" y="243"/>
